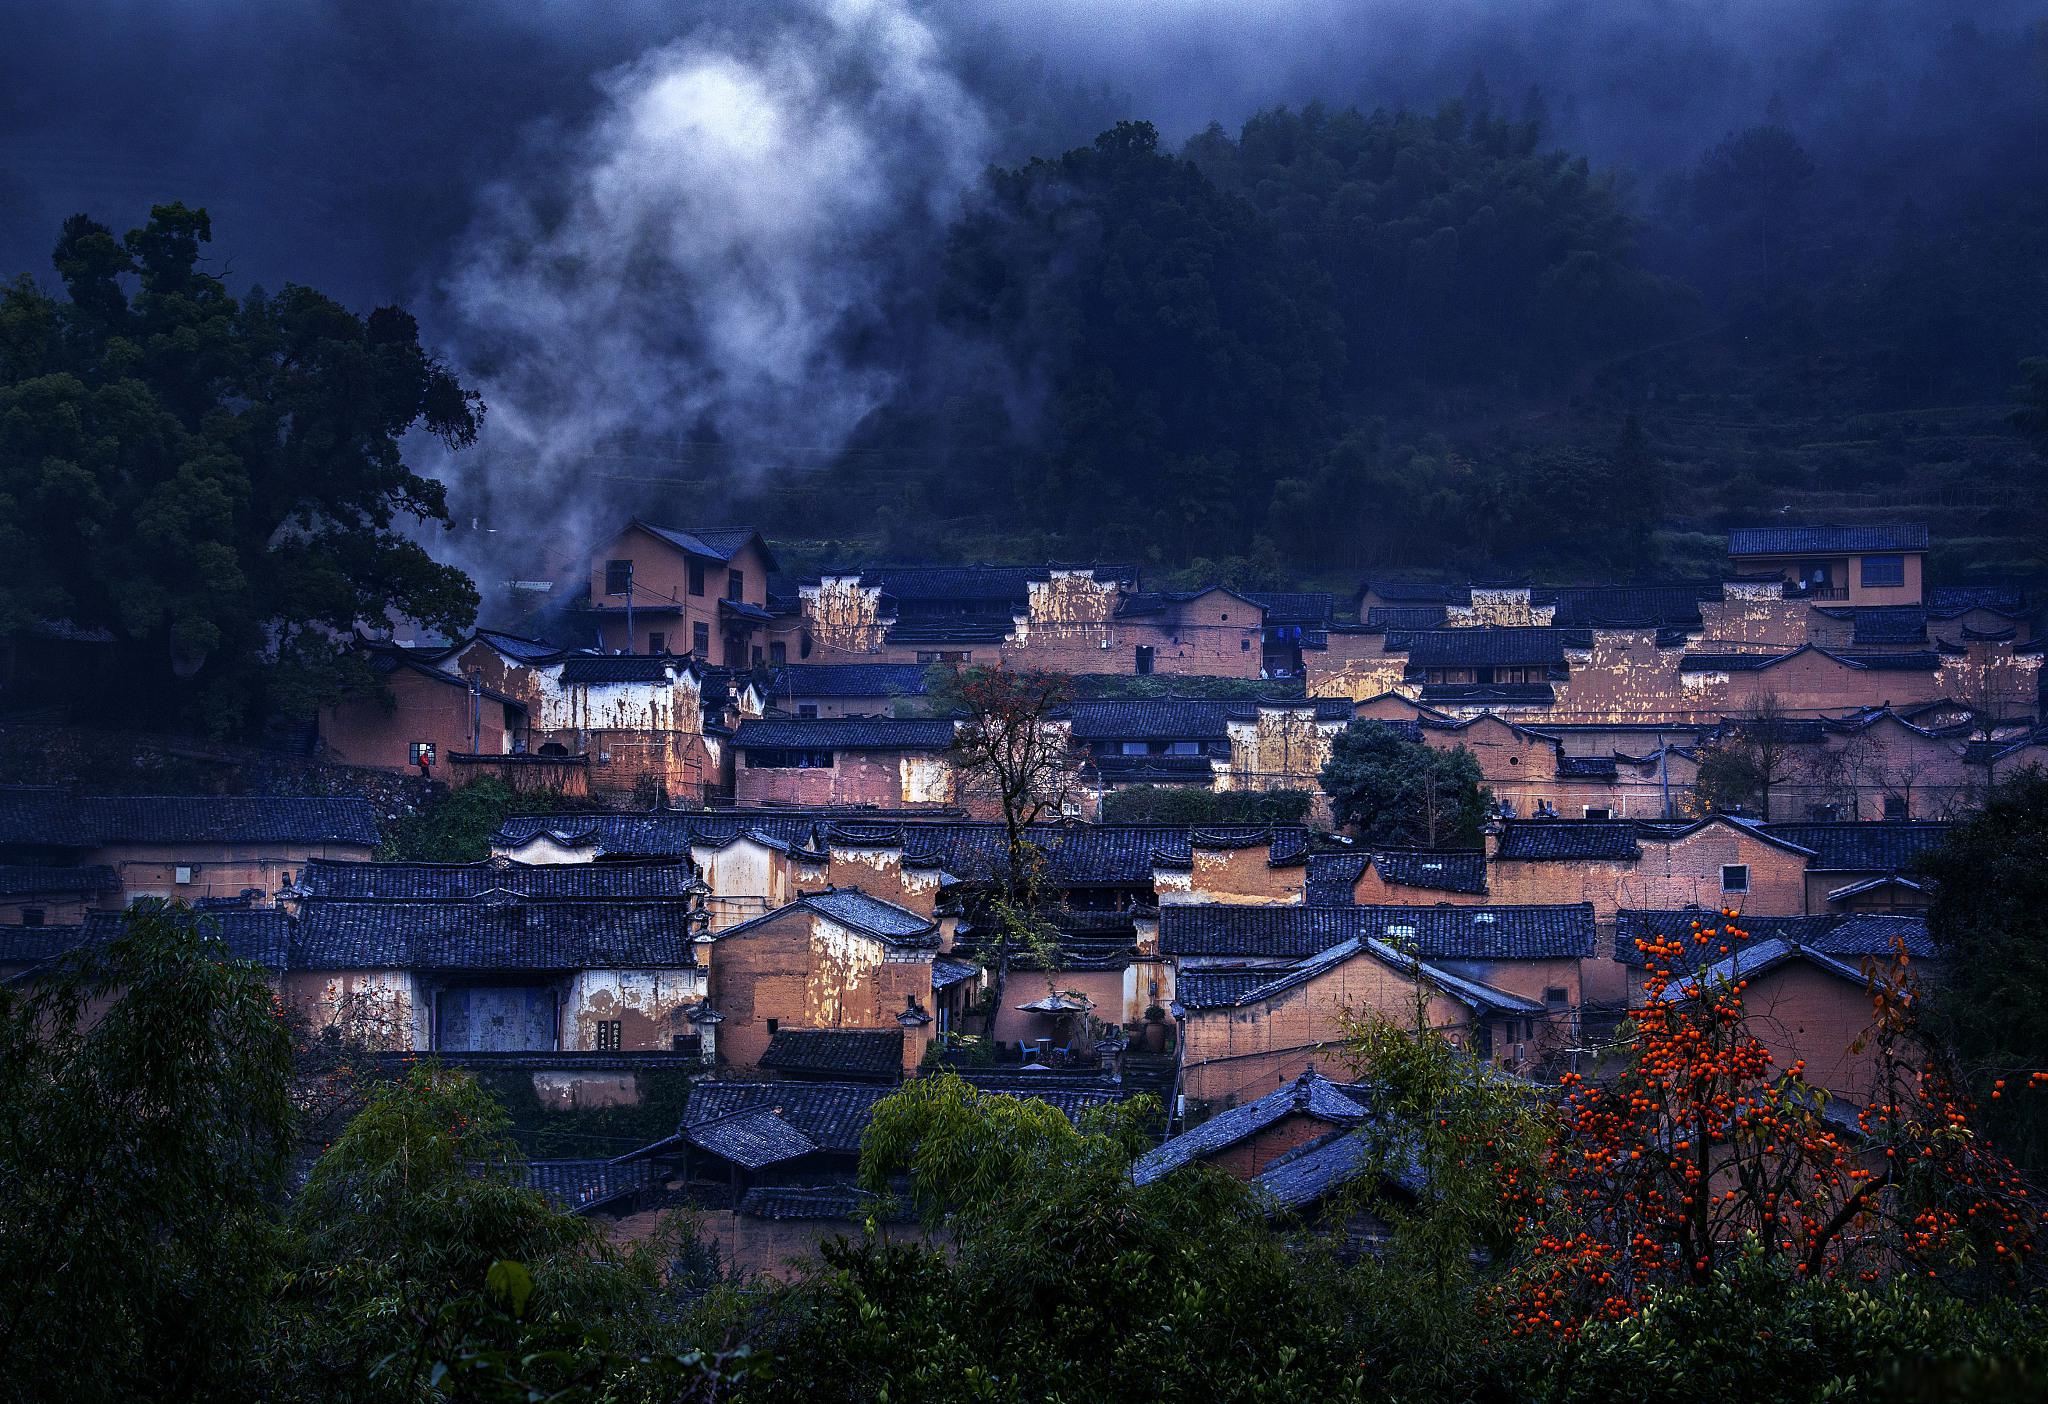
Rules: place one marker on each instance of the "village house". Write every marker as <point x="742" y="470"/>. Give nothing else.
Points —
<point x="37" y="894"/>
<point x="837" y="959"/>
<point x="1221" y="744"/>
<point x="187" y="847"/>
<point x="805" y="690"/>
<point x="891" y="762"/>
<point x="697" y="590"/>
<point x="1808" y="994"/>
<point x="1871" y="867"/>
<point x="1852" y="937"/>
<point x="1260" y="989"/>
<point x="1864" y="565"/>
<point x="1245" y="1139"/>
<point x="423" y="714"/>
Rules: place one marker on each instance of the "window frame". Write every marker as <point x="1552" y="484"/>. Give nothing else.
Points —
<point x="618" y="577"/>
<point x="700" y="640"/>
<point x="1743" y="880"/>
<point x="696" y="572"/>
<point x="1894" y="567"/>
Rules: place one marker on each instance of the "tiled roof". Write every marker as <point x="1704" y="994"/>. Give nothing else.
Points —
<point x="1924" y="660"/>
<point x="1587" y="767"/>
<point x="1311" y="1095"/>
<point x="1881" y="626"/>
<point x="259" y="934"/>
<point x="1212" y="988"/>
<point x="948" y="973"/>
<point x="1164" y="602"/>
<point x="1312" y="1173"/>
<point x="579" y="1186"/>
<point x="24" y="879"/>
<point x="1516" y="646"/>
<point x="845" y="734"/>
<point x="1736" y="662"/>
<point x="1506" y="694"/>
<point x="1567" y="840"/>
<point x="1751" y="959"/>
<point x="1633" y="606"/>
<point x="1070" y="1094"/>
<point x="1417" y="592"/>
<point x="830" y="1116"/>
<point x="753" y="1138"/>
<point x="1439" y="870"/>
<point x="1405" y="617"/>
<point x="1077" y="855"/>
<point x="1845" y="934"/>
<point x="1796" y="540"/>
<point x="857" y="910"/>
<point x="815" y="1203"/>
<point x="1187" y="718"/>
<point x="32" y="945"/>
<point x="599" y="670"/>
<point x="1435" y="933"/>
<point x="856" y="1053"/>
<point x="1949" y="600"/>
<point x="1333" y="876"/>
<point x="719" y="543"/>
<point x="1469" y="991"/>
<point x="514" y="935"/>
<point x="47" y="817"/>
<point x="952" y="629"/>
<point x="1292" y="607"/>
<point x="1876" y="847"/>
<point x="916" y="584"/>
<point x="518" y="645"/>
<point x="639" y="881"/>
<point x="801" y="680"/>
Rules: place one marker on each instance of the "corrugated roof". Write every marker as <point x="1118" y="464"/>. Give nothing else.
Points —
<point x="1796" y="540"/>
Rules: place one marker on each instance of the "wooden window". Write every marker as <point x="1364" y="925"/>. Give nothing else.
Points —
<point x="691" y="1044"/>
<point x="421" y="751"/>
<point x="735" y="585"/>
<point x="618" y="577"/>
<point x="807" y="710"/>
<point x="700" y="639"/>
<point x="696" y="577"/>
<point x="31" y="916"/>
<point x="1880" y="572"/>
<point x="1143" y="659"/>
<point x="773" y="1025"/>
<point x="1735" y="877"/>
<point x="657" y="643"/>
<point x="787" y="759"/>
<point x="778" y="652"/>
<point x="1897" y="807"/>
<point x="607" y="1035"/>
<point x="1596" y="812"/>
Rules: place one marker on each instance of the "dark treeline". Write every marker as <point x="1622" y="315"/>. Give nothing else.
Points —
<point x="1339" y="339"/>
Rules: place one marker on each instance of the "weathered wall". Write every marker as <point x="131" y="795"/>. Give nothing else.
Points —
<point x="1499" y="608"/>
<point x="387" y="1007"/>
<point x="648" y="1006"/>
<point x="885" y="779"/>
<point x="806" y="972"/>
<point x="218" y="869"/>
<point x="1685" y="872"/>
<point x="1356" y="666"/>
<point x="843" y="615"/>
<point x="1238" y="875"/>
<point x="1283" y="748"/>
<point x="1237" y="1054"/>
<point x="380" y="730"/>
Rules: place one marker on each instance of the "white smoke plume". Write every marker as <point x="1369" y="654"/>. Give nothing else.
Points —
<point x="710" y="248"/>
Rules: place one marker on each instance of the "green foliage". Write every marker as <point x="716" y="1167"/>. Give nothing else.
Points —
<point x="1180" y="804"/>
<point x="144" y="1130"/>
<point x="218" y="482"/>
<point x="1756" y="1331"/>
<point x="457" y="826"/>
<point x="1988" y="996"/>
<point x="1397" y="791"/>
<point x="404" y="1221"/>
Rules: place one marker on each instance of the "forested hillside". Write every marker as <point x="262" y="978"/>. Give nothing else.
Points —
<point x="1338" y="340"/>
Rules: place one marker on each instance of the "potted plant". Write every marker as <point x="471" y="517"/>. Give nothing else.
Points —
<point x="1155" y="1029"/>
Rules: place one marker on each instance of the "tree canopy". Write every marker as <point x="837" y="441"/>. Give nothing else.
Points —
<point x="217" y="482"/>
<point x="1394" y="790"/>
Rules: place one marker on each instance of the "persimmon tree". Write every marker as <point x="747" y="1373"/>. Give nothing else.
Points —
<point x="1704" y="1150"/>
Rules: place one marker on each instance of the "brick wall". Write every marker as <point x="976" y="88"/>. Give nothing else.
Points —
<point x="1684" y="872"/>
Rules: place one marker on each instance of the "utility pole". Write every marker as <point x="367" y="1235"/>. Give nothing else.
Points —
<point x="629" y="606"/>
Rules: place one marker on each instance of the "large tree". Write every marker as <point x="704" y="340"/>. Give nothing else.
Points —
<point x="216" y="481"/>
<point x="1395" y="790"/>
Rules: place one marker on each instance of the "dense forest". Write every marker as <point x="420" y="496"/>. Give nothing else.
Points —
<point x="1341" y="339"/>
